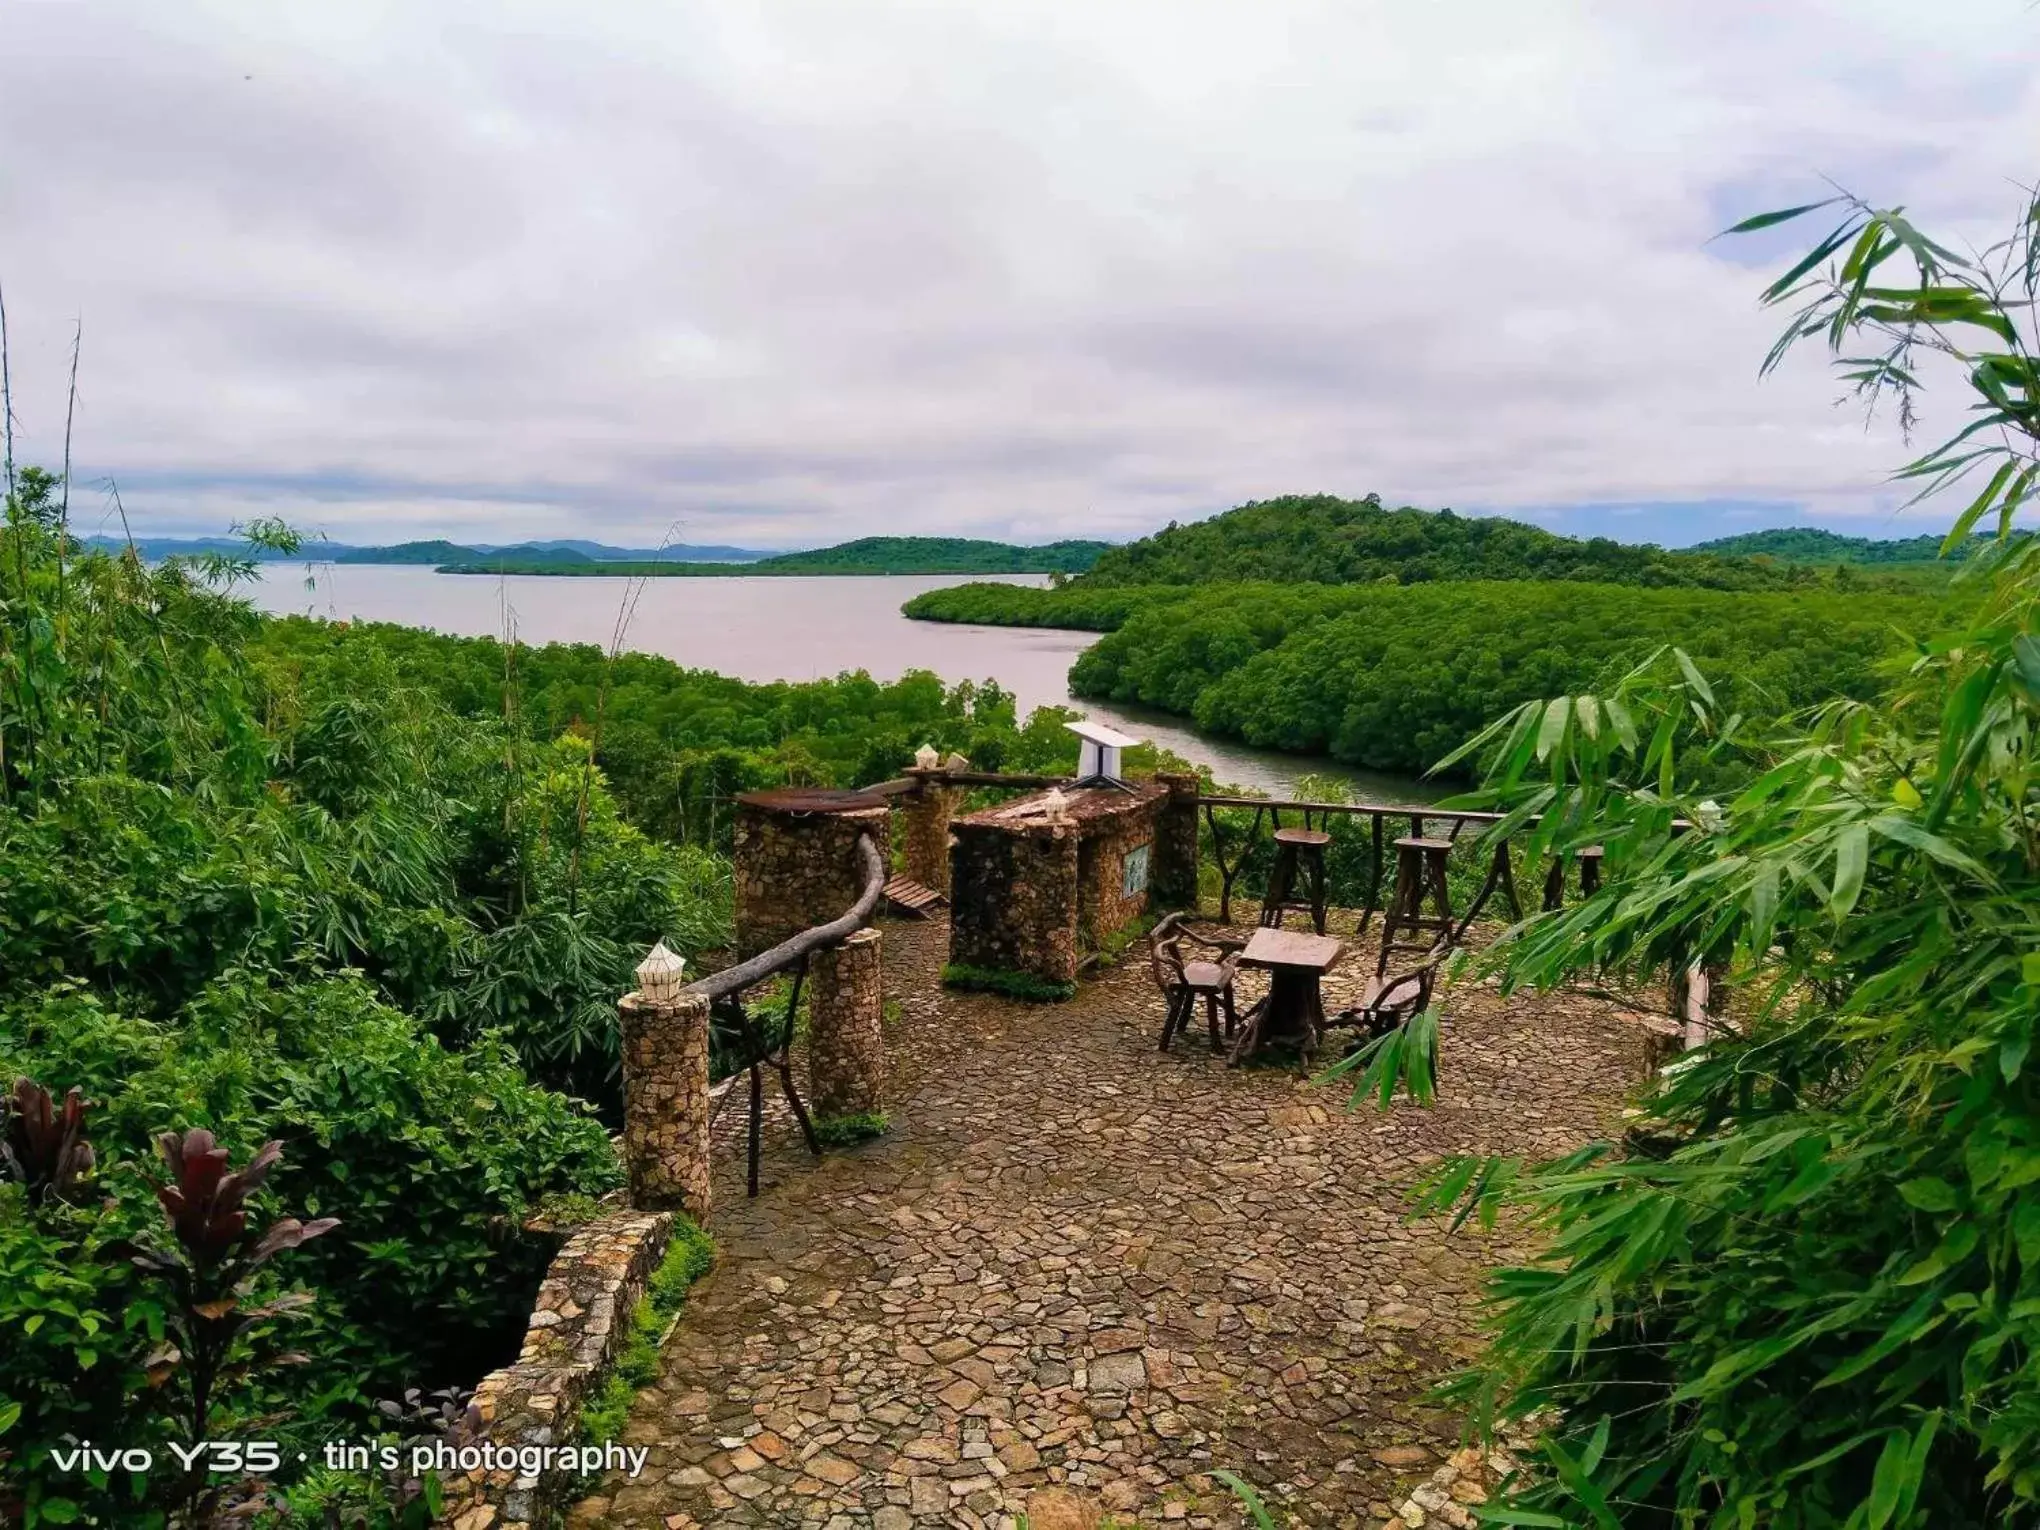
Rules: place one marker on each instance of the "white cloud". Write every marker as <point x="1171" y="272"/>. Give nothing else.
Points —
<point x="796" y="272"/>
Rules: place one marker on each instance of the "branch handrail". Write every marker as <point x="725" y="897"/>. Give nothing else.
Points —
<point x="1356" y="809"/>
<point x="796" y="948"/>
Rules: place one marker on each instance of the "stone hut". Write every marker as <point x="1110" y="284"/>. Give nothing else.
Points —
<point x="796" y="862"/>
<point x="1033" y="889"/>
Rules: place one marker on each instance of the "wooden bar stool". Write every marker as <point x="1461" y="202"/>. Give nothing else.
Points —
<point x="1589" y="857"/>
<point x="1501" y="878"/>
<point x="1419" y="873"/>
<point x="1299" y="866"/>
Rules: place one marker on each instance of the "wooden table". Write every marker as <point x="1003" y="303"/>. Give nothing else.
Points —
<point x="1293" y="1013"/>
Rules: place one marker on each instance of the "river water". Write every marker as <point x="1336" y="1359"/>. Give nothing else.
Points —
<point x="781" y="628"/>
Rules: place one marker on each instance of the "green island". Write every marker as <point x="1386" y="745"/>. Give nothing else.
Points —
<point x="866" y="555"/>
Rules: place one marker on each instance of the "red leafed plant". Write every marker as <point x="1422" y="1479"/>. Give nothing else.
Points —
<point x="215" y="1334"/>
<point x="43" y="1144"/>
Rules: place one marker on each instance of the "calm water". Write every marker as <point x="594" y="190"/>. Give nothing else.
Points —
<point x="778" y="628"/>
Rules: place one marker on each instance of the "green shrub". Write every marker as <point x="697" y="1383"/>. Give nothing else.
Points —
<point x="848" y="1131"/>
<point x="1014" y="985"/>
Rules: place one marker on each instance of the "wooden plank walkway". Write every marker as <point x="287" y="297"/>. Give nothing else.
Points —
<point x="910" y="897"/>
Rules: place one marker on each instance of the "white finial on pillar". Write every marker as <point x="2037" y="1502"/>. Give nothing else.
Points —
<point x="659" y="975"/>
<point x="927" y="757"/>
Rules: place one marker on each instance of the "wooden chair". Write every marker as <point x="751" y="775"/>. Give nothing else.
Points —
<point x="1188" y="967"/>
<point x="1392" y="1000"/>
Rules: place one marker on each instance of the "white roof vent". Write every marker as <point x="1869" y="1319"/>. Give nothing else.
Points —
<point x="1098" y="758"/>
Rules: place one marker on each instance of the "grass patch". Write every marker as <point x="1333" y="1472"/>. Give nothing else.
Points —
<point x="687" y="1259"/>
<point x="848" y="1131"/>
<point x="1116" y="944"/>
<point x="1014" y="985"/>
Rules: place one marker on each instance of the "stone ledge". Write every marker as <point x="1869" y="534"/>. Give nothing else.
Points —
<point x="580" y="1322"/>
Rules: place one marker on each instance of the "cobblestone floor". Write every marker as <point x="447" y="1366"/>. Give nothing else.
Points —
<point x="1079" y="1274"/>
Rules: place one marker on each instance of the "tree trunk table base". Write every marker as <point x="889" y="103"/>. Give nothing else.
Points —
<point x="1292" y="1015"/>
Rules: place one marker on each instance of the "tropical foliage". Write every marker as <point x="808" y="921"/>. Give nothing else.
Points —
<point x="302" y="903"/>
<point x="1803" y="1289"/>
<point x="675" y="745"/>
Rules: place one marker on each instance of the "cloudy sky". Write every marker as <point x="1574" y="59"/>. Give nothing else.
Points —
<point x="783" y="273"/>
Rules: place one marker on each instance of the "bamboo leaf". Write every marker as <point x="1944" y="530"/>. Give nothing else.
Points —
<point x="1966" y="521"/>
<point x="1557" y="712"/>
<point x="1852" y="857"/>
<point x="1782" y="215"/>
<point x="1693" y="676"/>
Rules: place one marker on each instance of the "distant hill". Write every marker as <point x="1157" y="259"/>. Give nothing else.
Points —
<point x="565" y="552"/>
<point x="867" y="555"/>
<point x="1810" y="544"/>
<point x="156" y="549"/>
<point x="431" y="553"/>
<point x="938" y="555"/>
<point x="1322" y="539"/>
<point x="677" y="552"/>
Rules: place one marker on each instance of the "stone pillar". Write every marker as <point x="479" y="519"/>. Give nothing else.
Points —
<point x="927" y="810"/>
<point x="846" y="1041"/>
<point x="665" y="1103"/>
<point x="796" y="863"/>
<point x="1172" y="879"/>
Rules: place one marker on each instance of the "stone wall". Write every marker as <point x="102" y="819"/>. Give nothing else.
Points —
<point x="579" y="1325"/>
<point x="1013" y="899"/>
<point x="796" y="866"/>
<point x="846" y="1042"/>
<point x="1172" y="877"/>
<point x="665" y="1102"/>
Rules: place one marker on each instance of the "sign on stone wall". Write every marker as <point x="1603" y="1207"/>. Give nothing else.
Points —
<point x="1133" y="872"/>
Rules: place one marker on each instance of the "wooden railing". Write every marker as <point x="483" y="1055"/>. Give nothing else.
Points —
<point x="1314" y="814"/>
<point x="1231" y="859"/>
<point x="724" y="991"/>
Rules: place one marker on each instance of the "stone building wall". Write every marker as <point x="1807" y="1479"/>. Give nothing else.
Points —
<point x="846" y="1042"/>
<point x="796" y="865"/>
<point x="1105" y="901"/>
<point x="1013" y="899"/>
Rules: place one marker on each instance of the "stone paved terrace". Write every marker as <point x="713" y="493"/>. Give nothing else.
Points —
<point x="1080" y="1273"/>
